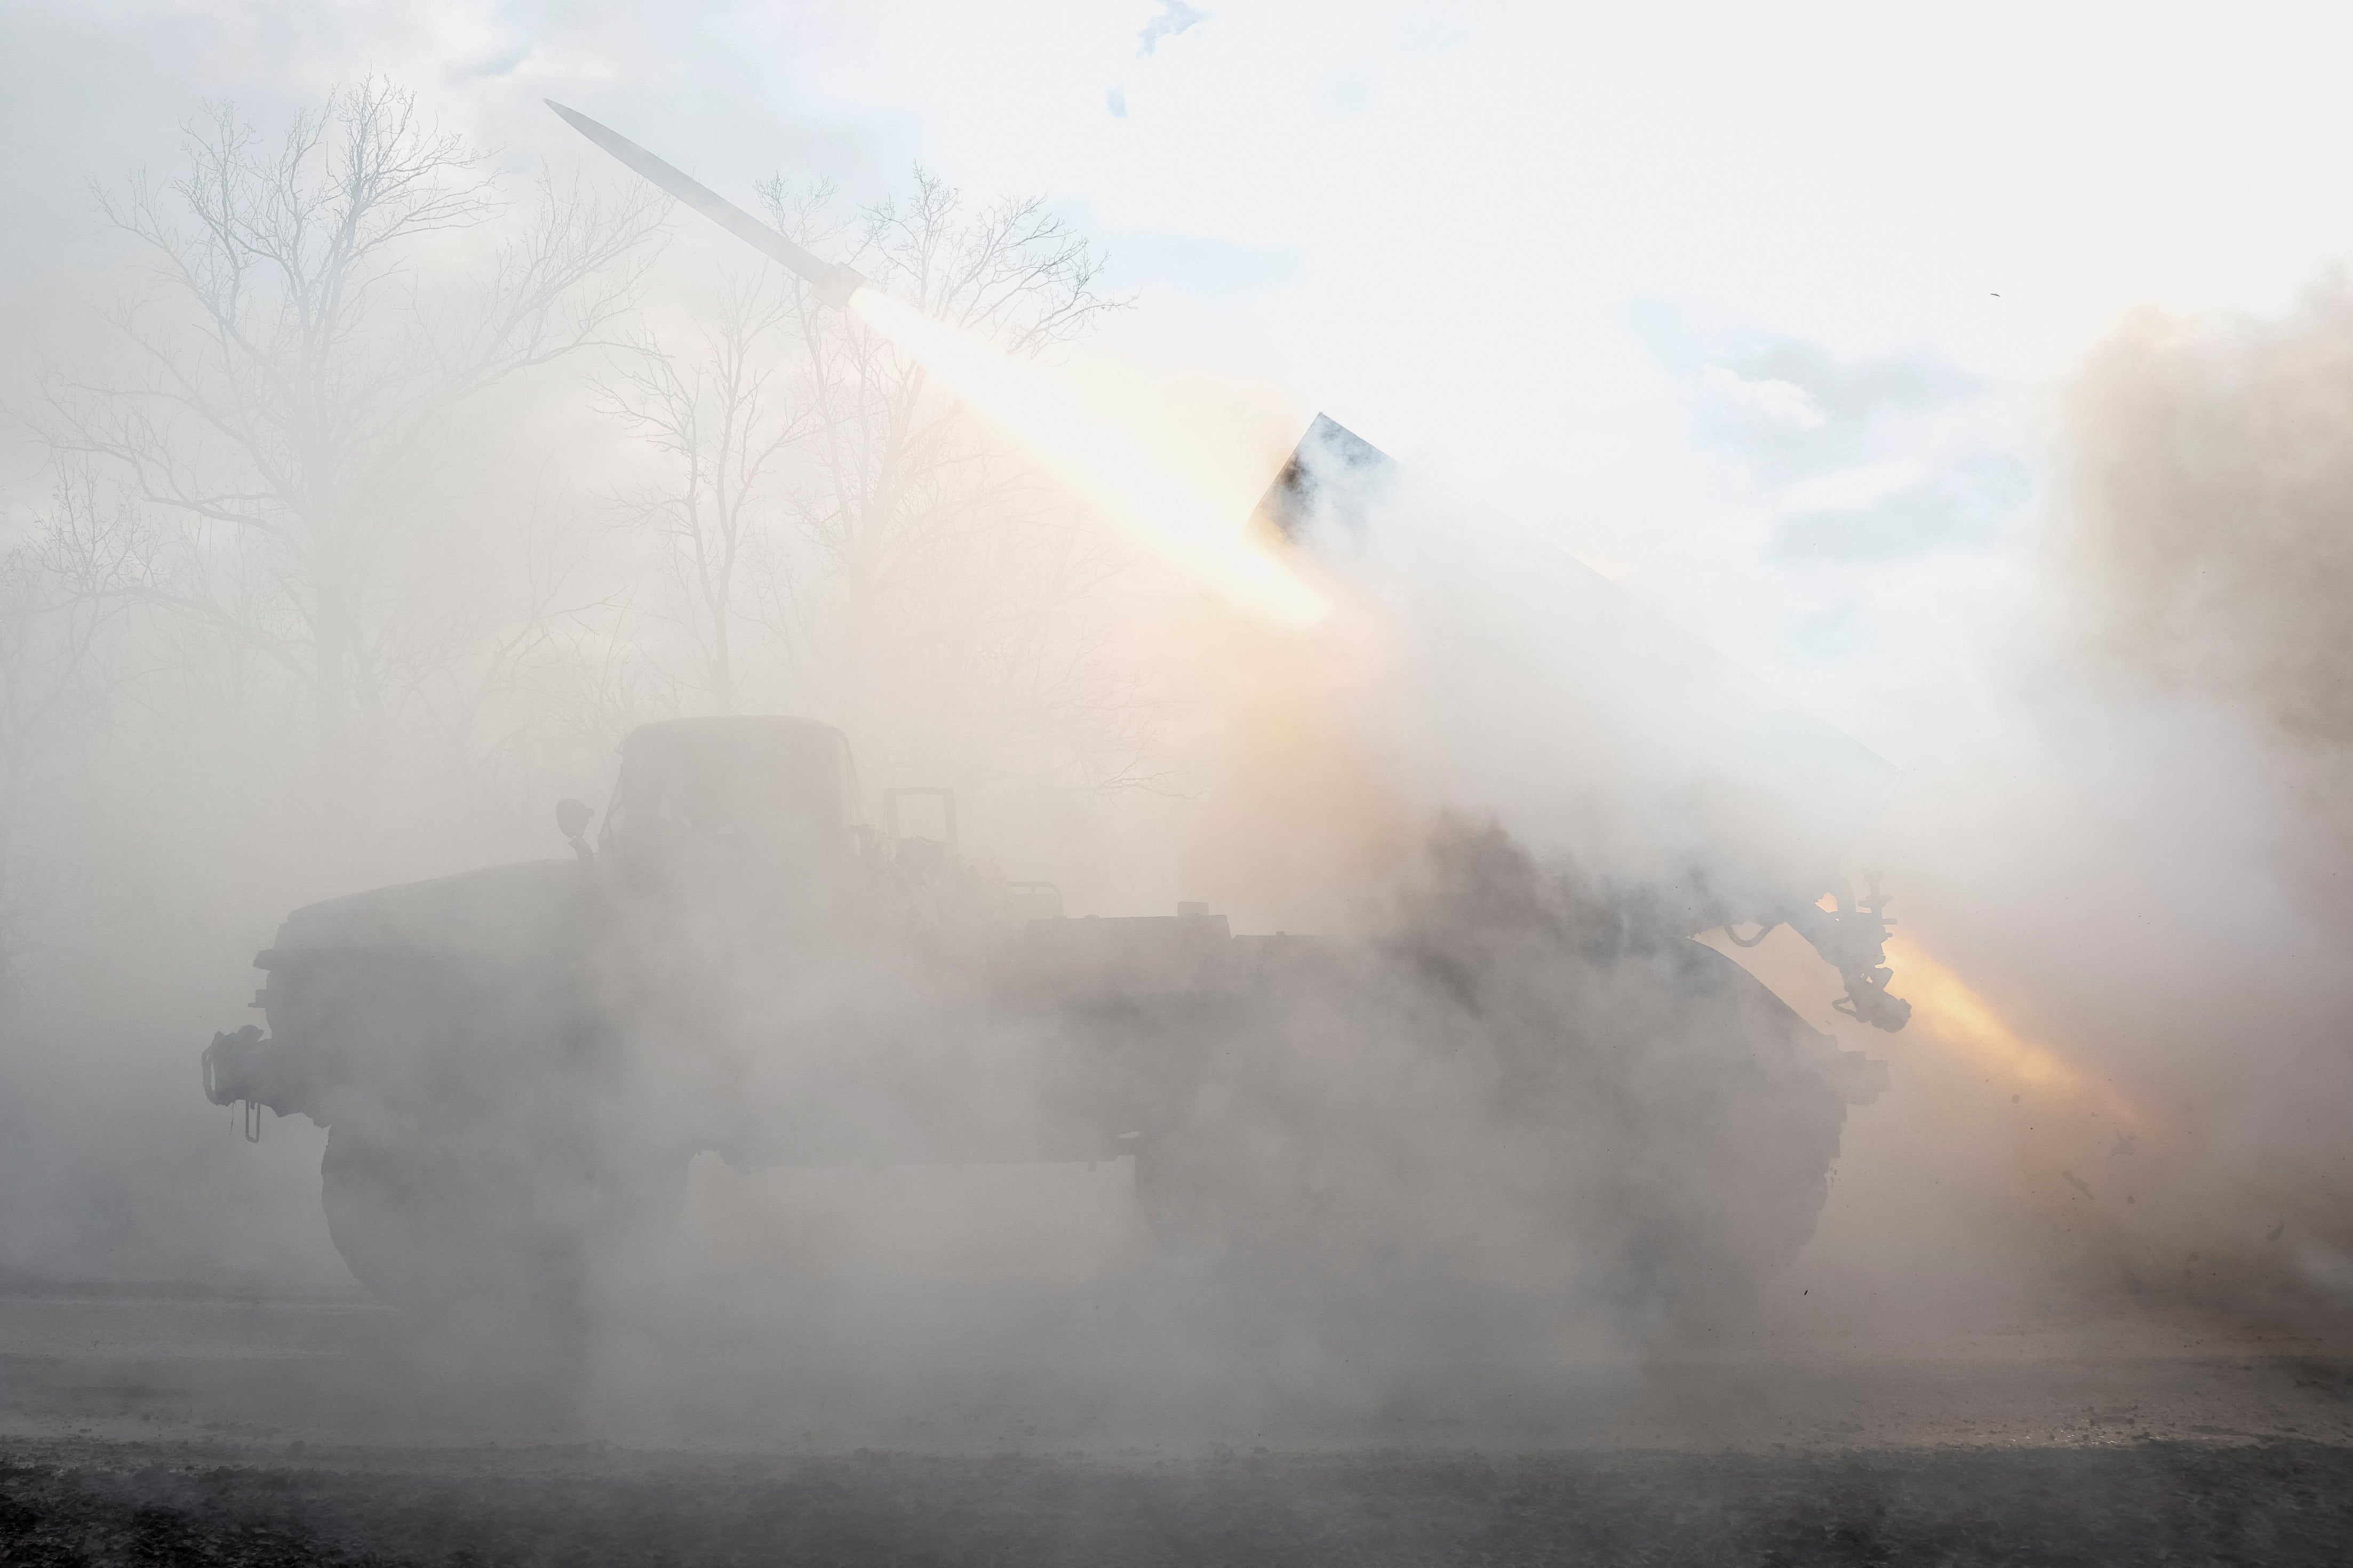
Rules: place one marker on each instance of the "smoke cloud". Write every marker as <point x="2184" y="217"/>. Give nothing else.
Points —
<point x="1439" y="1078"/>
<point x="2204" y="557"/>
<point x="2211" y="462"/>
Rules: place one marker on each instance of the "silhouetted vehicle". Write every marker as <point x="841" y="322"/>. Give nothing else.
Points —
<point x="516" y="1065"/>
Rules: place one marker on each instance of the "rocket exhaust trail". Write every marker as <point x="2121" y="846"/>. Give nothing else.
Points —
<point x="833" y="282"/>
<point x="1098" y="460"/>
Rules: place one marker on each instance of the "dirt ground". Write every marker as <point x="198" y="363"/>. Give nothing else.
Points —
<point x="149" y="1426"/>
<point x="2155" y="1500"/>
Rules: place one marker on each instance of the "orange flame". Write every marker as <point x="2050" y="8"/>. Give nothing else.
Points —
<point x="1946" y="1007"/>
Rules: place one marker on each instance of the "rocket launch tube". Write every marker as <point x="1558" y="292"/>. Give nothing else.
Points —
<point x="833" y="283"/>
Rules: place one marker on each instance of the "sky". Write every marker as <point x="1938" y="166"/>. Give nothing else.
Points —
<point x="1760" y="311"/>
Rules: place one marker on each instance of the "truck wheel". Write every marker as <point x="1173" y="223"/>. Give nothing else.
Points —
<point x="1704" y="1176"/>
<point x="438" y="1229"/>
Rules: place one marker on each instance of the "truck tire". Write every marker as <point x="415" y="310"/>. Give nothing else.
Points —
<point x="1671" y="1164"/>
<point x="442" y="1229"/>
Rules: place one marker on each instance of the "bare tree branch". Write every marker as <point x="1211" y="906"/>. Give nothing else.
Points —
<point x="297" y="358"/>
<point x="65" y="581"/>
<point x="718" y="415"/>
<point x="936" y="576"/>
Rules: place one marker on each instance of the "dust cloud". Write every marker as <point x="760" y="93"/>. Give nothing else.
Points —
<point x="1417" y="1066"/>
<point x="2203" y="552"/>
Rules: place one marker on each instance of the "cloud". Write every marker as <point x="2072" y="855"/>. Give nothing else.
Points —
<point x="1349" y="92"/>
<point x="1872" y="458"/>
<point x="1196" y="264"/>
<point x="1175" y="16"/>
<point x="1433" y="30"/>
<point x="1785" y="401"/>
<point x="1872" y="388"/>
<point x="1966" y="504"/>
<point x="1788" y="408"/>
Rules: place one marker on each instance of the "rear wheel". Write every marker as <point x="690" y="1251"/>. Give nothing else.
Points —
<point x="1652" y="1147"/>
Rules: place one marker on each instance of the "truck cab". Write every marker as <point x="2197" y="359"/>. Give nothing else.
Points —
<point x="752" y="821"/>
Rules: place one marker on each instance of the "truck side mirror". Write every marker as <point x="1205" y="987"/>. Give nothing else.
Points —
<point x="572" y="818"/>
<point x="946" y="798"/>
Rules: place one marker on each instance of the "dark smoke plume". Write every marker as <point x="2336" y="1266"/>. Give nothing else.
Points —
<point x="2215" y="476"/>
<point x="2208" y="553"/>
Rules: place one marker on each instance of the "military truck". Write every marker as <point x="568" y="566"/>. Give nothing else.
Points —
<point x="516" y="1065"/>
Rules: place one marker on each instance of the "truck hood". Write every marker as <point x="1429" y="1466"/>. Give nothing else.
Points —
<point x="501" y="911"/>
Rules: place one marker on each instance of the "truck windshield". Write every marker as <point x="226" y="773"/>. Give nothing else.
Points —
<point x="736" y="781"/>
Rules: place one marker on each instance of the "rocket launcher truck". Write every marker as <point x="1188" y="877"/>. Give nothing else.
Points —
<point x="751" y="954"/>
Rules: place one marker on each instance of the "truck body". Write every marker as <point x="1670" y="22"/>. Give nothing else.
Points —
<point x="516" y="1065"/>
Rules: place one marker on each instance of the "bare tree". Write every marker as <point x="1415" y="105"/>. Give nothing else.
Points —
<point x="65" y="585"/>
<point x="299" y="356"/>
<point x="935" y="559"/>
<point x="718" y="414"/>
